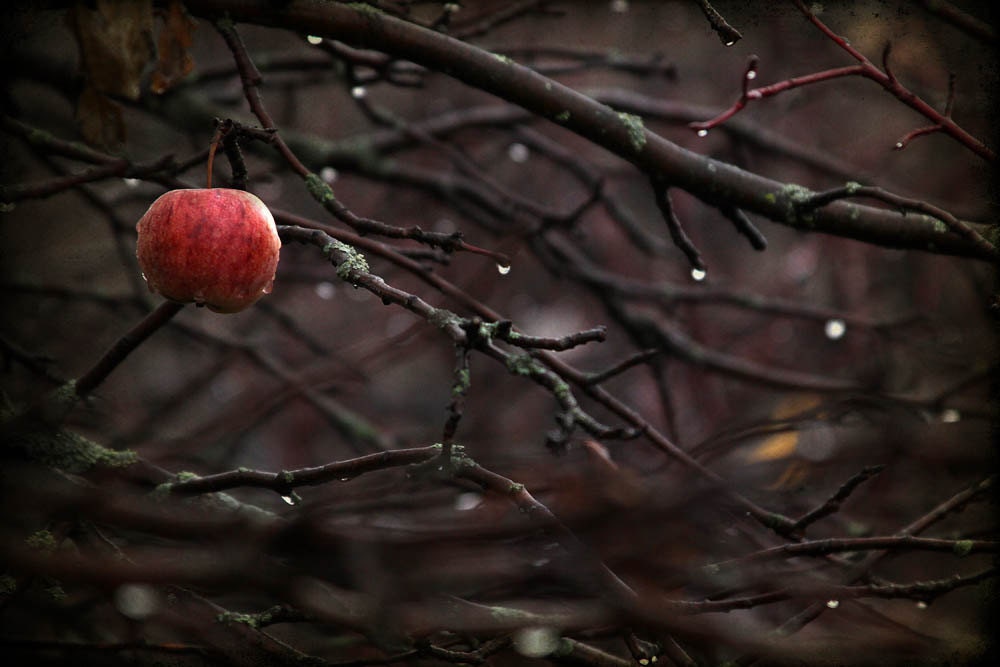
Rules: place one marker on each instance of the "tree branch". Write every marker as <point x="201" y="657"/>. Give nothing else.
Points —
<point x="717" y="183"/>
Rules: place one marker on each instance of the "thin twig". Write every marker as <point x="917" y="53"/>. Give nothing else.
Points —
<point x="124" y="346"/>
<point x="745" y="227"/>
<point x="285" y="481"/>
<point x="834" y="502"/>
<point x="904" y="204"/>
<point x="459" y="390"/>
<point x="981" y="30"/>
<point x="632" y="360"/>
<point x="727" y="33"/>
<point x="900" y="92"/>
<point x="680" y="238"/>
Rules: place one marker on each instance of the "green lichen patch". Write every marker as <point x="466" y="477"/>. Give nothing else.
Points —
<point x="350" y="261"/>
<point x="365" y="8"/>
<point x="463" y="380"/>
<point x="937" y="225"/>
<point x="56" y="592"/>
<point x="795" y="197"/>
<point x="459" y="458"/>
<point x="523" y="364"/>
<point x="963" y="547"/>
<point x="319" y="189"/>
<point x="564" y="116"/>
<point x="562" y="392"/>
<point x="441" y="468"/>
<point x="68" y="451"/>
<point x="510" y="614"/>
<point x="563" y="648"/>
<point x="8" y="584"/>
<point x="232" y="617"/>
<point x="487" y="331"/>
<point x="443" y="318"/>
<point x="636" y="130"/>
<point x="796" y="193"/>
<point x="163" y="490"/>
<point x="42" y="540"/>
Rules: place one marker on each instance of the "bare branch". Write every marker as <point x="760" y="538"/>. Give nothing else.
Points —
<point x="727" y="33"/>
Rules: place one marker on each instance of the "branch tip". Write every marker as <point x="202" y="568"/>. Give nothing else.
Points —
<point x="728" y="35"/>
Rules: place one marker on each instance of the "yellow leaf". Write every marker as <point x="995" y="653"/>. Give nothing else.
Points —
<point x="778" y="446"/>
<point x="795" y="405"/>
<point x="793" y="475"/>
<point x="784" y="445"/>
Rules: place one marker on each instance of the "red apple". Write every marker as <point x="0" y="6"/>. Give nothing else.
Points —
<point x="216" y="247"/>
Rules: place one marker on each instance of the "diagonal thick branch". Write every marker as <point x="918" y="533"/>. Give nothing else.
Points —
<point x="714" y="182"/>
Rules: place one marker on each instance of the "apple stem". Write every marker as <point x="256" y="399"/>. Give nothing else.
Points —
<point x="221" y="128"/>
<point x="124" y="346"/>
<point x="211" y="160"/>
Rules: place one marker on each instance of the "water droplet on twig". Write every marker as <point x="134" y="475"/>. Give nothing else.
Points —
<point x="328" y="174"/>
<point x="325" y="290"/>
<point x="536" y="642"/>
<point x="518" y="153"/>
<point x="950" y="416"/>
<point x="468" y="501"/>
<point x="137" y="601"/>
<point x="835" y="329"/>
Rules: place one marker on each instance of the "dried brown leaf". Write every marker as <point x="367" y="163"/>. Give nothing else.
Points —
<point x="100" y="120"/>
<point x="174" y="60"/>
<point x="116" y="44"/>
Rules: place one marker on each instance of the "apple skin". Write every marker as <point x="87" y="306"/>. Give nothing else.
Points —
<point x="216" y="247"/>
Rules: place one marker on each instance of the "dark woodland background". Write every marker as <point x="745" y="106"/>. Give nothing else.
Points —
<point x="359" y="472"/>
